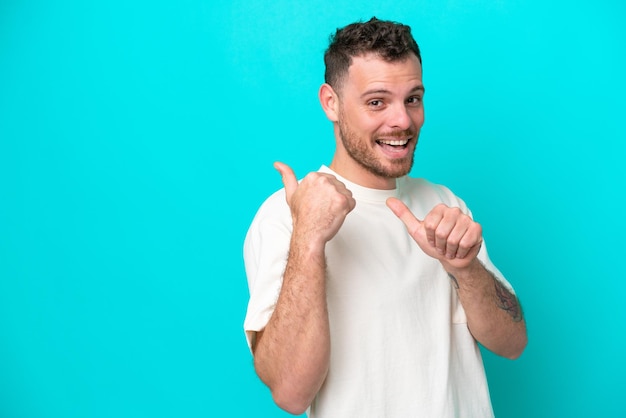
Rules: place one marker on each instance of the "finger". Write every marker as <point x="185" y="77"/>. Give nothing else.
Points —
<point x="463" y="252"/>
<point x="342" y="189"/>
<point x="456" y="236"/>
<point x="289" y="179"/>
<point x="471" y="241"/>
<point x="404" y="213"/>
<point x="431" y="225"/>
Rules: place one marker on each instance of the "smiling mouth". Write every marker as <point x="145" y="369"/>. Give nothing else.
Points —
<point x="396" y="143"/>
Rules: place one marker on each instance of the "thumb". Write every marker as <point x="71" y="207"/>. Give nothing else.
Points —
<point x="289" y="179"/>
<point x="404" y="213"/>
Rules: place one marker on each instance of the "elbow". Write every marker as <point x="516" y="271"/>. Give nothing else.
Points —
<point x="515" y="350"/>
<point x="522" y="347"/>
<point x="510" y="346"/>
<point x="288" y="400"/>
<point x="287" y="394"/>
<point x="291" y="394"/>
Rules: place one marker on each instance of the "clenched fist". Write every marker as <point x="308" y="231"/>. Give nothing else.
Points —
<point x="446" y="234"/>
<point x="319" y="203"/>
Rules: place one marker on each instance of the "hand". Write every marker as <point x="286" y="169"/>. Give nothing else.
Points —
<point x="319" y="203"/>
<point x="446" y="234"/>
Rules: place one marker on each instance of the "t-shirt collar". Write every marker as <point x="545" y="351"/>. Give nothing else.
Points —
<point x="363" y="193"/>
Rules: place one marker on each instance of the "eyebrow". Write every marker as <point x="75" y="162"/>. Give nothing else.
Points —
<point x="384" y="91"/>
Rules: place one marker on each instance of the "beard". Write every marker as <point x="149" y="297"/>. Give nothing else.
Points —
<point x="358" y="148"/>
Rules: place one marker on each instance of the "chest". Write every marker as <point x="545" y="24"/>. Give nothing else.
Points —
<point x="373" y="262"/>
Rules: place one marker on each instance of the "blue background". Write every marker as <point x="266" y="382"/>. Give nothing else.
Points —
<point x="137" y="141"/>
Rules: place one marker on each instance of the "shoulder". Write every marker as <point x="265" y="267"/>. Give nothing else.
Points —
<point x="274" y="205"/>
<point x="273" y="218"/>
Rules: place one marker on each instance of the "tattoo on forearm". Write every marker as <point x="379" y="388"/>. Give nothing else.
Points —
<point x="507" y="301"/>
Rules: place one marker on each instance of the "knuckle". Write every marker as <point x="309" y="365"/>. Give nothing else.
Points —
<point x="339" y="199"/>
<point x="454" y="214"/>
<point x="431" y="222"/>
<point x="465" y="244"/>
<point x="441" y="235"/>
<point x="474" y="230"/>
<point x="309" y="178"/>
<point x="456" y="211"/>
<point x="453" y="241"/>
<point x="343" y="201"/>
<point x="316" y="177"/>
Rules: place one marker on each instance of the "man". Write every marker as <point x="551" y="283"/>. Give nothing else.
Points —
<point x="369" y="289"/>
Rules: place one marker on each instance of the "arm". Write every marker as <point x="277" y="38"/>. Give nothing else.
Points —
<point x="494" y="316"/>
<point x="291" y="355"/>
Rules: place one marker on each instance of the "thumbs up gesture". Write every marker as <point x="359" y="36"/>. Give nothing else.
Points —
<point x="446" y="234"/>
<point x="319" y="204"/>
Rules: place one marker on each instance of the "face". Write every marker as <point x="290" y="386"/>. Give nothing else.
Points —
<point x="378" y="120"/>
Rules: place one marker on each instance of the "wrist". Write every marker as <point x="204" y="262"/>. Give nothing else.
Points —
<point x="308" y="245"/>
<point x="465" y="272"/>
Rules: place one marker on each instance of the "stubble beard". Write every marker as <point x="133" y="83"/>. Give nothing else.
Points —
<point x="358" y="149"/>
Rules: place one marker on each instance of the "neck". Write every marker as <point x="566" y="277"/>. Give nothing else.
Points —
<point x="350" y="170"/>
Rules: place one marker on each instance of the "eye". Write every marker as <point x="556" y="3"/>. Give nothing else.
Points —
<point x="414" y="100"/>
<point x="375" y="103"/>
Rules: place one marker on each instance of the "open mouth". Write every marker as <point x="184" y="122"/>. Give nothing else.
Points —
<point x="395" y="143"/>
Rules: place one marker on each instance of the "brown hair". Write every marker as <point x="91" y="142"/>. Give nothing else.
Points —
<point x="389" y="40"/>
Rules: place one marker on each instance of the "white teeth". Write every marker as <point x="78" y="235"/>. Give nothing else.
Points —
<point x="394" y="143"/>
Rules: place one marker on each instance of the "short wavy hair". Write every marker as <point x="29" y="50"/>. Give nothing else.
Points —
<point x="389" y="40"/>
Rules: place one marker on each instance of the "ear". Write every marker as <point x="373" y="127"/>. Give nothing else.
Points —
<point x="329" y="101"/>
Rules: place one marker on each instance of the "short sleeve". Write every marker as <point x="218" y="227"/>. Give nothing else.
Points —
<point x="266" y="248"/>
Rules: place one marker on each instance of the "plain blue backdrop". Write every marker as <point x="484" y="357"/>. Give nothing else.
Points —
<point x="137" y="141"/>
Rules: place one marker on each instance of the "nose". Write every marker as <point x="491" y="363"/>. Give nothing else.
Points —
<point x="400" y="117"/>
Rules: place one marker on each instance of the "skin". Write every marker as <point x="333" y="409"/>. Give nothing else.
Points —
<point x="377" y="102"/>
<point x="292" y="353"/>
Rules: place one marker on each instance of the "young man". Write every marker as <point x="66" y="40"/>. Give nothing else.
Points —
<point x="370" y="289"/>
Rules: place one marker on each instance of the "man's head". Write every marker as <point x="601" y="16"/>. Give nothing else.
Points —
<point x="390" y="41"/>
<point x="373" y="95"/>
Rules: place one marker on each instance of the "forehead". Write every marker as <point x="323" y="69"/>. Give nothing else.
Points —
<point x="371" y="72"/>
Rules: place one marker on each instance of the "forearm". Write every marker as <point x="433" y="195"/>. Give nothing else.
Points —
<point x="292" y="353"/>
<point x="494" y="314"/>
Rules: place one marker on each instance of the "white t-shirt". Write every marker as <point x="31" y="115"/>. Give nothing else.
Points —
<point x="400" y="345"/>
